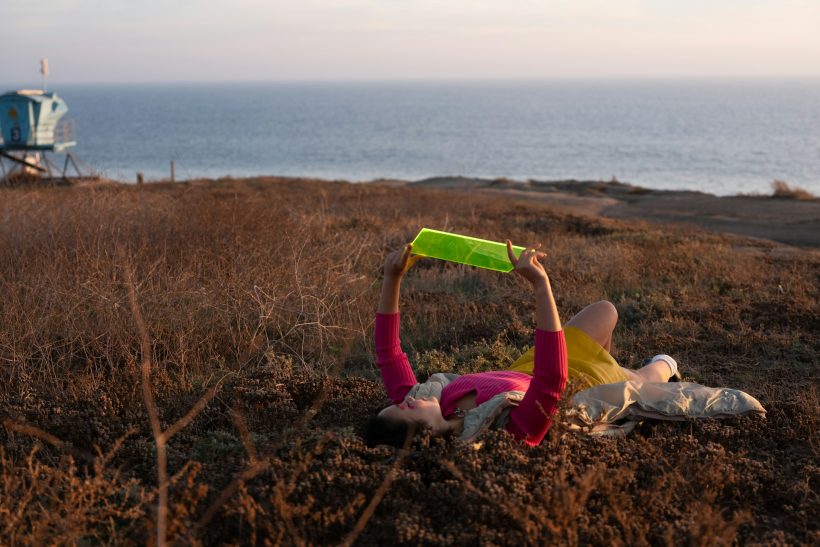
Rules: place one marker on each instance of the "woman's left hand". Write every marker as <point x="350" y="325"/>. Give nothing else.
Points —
<point x="527" y="265"/>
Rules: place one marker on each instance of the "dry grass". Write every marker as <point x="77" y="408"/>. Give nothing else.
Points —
<point x="782" y="189"/>
<point x="261" y="294"/>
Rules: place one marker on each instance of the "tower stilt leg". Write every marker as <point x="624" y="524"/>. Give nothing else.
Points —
<point x="48" y="164"/>
<point x="74" y="163"/>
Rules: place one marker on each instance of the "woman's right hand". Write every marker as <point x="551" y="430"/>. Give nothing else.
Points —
<point x="399" y="261"/>
<point x="527" y="265"/>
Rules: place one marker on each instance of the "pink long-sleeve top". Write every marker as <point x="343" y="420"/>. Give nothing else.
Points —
<point x="529" y="421"/>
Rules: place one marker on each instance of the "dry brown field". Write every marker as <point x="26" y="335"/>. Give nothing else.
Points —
<point x="251" y="305"/>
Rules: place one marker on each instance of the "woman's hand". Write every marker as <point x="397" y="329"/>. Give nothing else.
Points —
<point x="399" y="261"/>
<point x="395" y="265"/>
<point x="527" y="265"/>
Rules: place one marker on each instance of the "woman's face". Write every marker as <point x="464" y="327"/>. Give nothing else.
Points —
<point x="424" y="412"/>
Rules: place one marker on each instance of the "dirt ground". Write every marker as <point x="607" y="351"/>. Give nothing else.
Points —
<point x="790" y="221"/>
<point x="259" y="295"/>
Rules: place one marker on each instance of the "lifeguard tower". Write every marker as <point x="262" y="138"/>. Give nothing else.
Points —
<point x="31" y="127"/>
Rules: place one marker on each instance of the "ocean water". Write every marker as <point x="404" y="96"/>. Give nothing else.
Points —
<point x="723" y="137"/>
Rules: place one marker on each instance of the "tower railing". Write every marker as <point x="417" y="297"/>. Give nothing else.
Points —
<point x="65" y="131"/>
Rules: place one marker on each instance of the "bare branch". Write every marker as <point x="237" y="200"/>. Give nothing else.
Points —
<point x="245" y="435"/>
<point x="381" y="491"/>
<point x="228" y="492"/>
<point x="252" y="470"/>
<point x="150" y="403"/>
<point x="183" y="422"/>
<point x="34" y="431"/>
<point x="104" y="458"/>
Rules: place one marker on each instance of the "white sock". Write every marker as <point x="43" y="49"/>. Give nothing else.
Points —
<point x="668" y="360"/>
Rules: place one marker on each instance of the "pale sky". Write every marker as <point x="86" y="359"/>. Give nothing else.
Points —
<point x="199" y="40"/>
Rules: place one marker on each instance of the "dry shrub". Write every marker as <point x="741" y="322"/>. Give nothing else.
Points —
<point x="782" y="189"/>
<point x="61" y="503"/>
<point x="271" y="285"/>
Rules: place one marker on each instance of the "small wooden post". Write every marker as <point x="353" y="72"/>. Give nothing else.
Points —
<point x="140" y="178"/>
<point x="173" y="169"/>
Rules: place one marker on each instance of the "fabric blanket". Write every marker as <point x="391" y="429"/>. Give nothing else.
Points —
<point x="615" y="409"/>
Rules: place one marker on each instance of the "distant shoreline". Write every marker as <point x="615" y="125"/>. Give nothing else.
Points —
<point x="780" y="219"/>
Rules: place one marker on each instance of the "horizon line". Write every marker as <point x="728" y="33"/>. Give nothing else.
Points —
<point x="468" y="79"/>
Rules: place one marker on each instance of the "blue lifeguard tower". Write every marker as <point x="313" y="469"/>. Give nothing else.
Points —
<point x="31" y="127"/>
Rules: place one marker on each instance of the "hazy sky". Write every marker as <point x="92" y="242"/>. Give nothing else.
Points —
<point x="171" y="40"/>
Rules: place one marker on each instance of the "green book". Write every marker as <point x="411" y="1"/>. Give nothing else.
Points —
<point x="464" y="250"/>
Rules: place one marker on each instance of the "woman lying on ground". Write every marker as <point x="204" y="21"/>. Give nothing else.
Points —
<point x="522" y="399"/>
<point x="529" y="420"/>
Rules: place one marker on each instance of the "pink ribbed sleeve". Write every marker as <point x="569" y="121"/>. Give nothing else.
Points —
<point x="393" y="364"/>
<point x="530" y="420"/>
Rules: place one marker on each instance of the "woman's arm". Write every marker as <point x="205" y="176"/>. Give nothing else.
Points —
<point x="531" y="420"/>
<point x="528" y="267"/>
<point x="397" y="375"/>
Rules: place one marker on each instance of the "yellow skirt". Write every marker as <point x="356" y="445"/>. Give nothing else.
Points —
<point x="587" y="360"/>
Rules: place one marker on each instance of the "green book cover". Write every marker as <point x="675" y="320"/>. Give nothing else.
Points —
<point x="472" y="251"/>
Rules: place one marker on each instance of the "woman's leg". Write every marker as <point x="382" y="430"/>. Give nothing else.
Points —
<point x="656" y="371"/>
<point x="598" y="320"/>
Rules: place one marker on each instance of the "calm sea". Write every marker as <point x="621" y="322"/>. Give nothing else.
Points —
<point x="723" y="137"/>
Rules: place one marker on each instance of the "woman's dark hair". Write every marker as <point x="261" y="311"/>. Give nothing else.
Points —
<point x="383" y="430"/>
